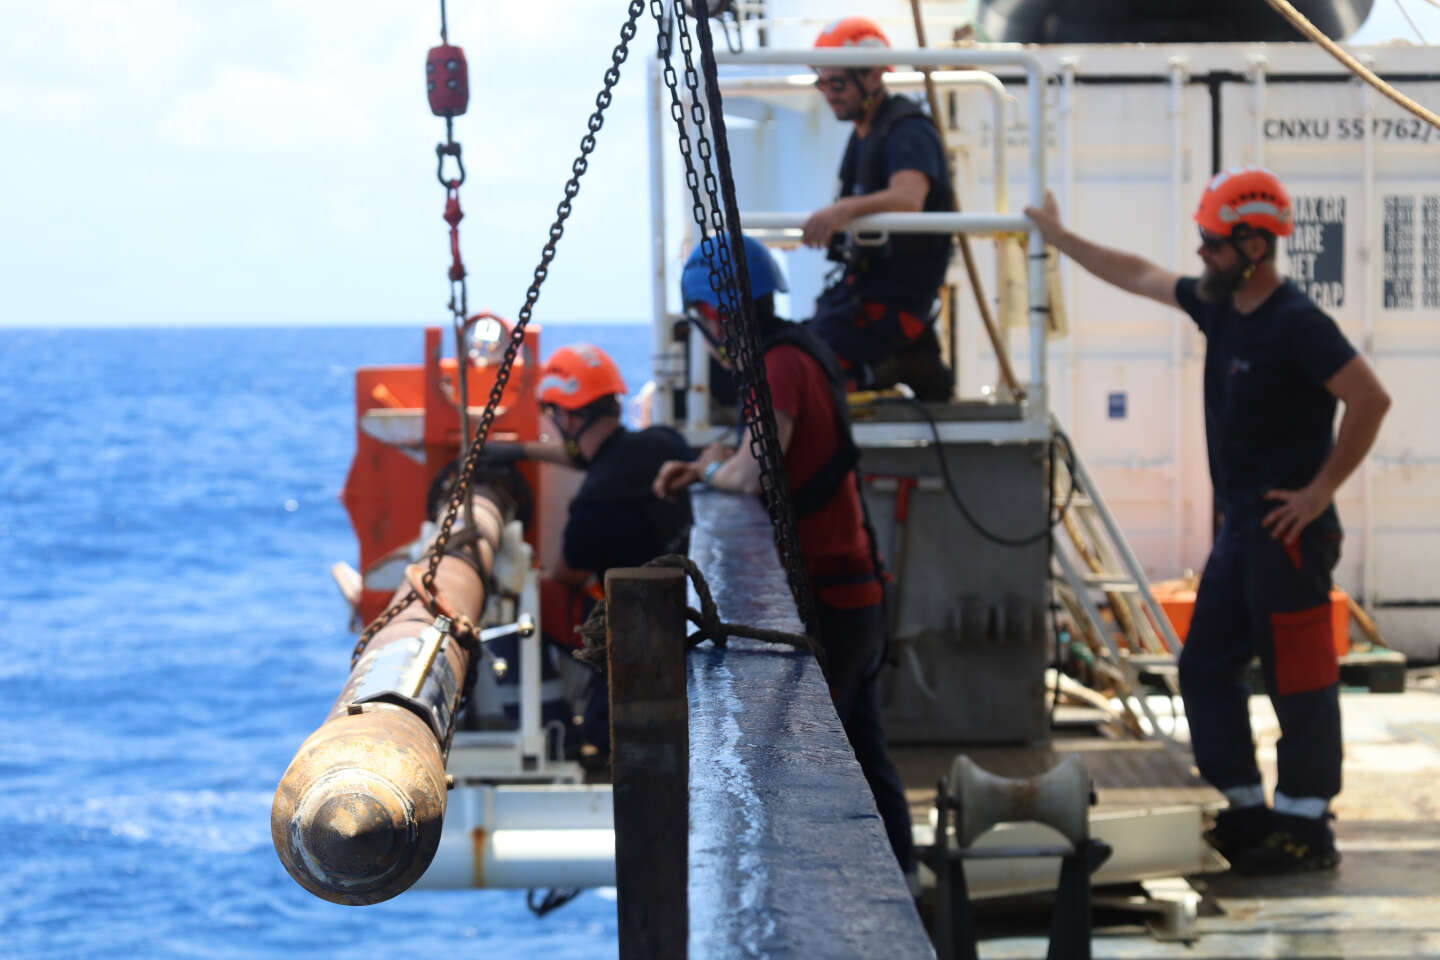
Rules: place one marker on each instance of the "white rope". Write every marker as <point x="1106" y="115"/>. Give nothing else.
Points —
<point x="1406" y="14"/>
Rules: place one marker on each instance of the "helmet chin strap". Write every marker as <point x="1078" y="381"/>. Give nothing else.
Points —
<point x="1250" y="265"/>
<point x="572" y="440"/>
<point x="868" y="100"/>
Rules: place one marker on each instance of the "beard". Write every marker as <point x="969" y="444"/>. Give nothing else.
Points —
<point x="1216" y="286"/>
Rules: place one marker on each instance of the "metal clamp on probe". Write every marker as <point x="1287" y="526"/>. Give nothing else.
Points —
<point x="412" y="673"/>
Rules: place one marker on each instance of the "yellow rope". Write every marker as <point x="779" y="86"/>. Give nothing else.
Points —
<point x="1298" y="21"/>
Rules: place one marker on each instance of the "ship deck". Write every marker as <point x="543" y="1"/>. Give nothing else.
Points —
<point x="1127" y="773"/>
<point x="1381" y="902"/>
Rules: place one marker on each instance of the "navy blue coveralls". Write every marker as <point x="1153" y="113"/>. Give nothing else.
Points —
<point x="1269" y="424"/>
<point x="885" y="296"/>
<point x="615" y="521"/>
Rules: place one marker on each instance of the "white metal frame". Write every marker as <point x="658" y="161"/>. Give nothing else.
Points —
<point x="666" y="353"/>
<point x="515" y="755"/>
<point x="519" y="837"/>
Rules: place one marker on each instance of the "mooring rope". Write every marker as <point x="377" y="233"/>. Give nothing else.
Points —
<point x="707" y="621"/>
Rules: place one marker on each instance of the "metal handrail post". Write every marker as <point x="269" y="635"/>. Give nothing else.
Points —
<point x="662" y="410"/>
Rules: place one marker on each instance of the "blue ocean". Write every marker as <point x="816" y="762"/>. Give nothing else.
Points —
<point x="170" y="634"/>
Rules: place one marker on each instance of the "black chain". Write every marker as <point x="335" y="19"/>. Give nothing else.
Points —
<point x="730" y="280"/>
<point x="517" y="336"/>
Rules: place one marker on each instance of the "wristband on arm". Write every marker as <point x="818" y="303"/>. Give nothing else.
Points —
<point x="708" y="476"/>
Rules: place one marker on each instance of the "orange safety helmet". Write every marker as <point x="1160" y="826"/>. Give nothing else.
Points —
<point x="575" y="377"/>
<point x="1250" y="196"/>
<point x="852" y="32"/>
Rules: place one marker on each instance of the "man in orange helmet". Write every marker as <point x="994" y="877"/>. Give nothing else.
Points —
<point x="878" y="317"/>
<point x="1275" y="365"/>
<point x="613" y="521"/>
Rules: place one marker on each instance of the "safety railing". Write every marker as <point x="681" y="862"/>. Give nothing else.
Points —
<point x="667" y="354"/>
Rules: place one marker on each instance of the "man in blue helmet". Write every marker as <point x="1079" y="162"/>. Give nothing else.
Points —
<point x="812" y="417"/>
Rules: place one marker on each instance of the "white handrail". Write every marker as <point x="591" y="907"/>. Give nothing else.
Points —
<point x="791" y="222"/>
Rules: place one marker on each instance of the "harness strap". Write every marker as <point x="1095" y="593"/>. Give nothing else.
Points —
<point x="864" y="166"/>
<point x="824" y="483"/>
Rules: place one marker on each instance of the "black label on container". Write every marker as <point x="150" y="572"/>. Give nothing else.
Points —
<point x="1316" y="249"/>
<point x="1399" y="222"/>
<point x="1430" y="252"/>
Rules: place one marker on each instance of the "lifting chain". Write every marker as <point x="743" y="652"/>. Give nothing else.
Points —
<point x="460" y="491"/>
<point x="730" y="280"/>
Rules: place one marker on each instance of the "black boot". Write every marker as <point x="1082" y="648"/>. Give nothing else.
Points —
<point x="1238" y="829"/>
<point x="917" y="364"/>
<point x="1294" y="845"/>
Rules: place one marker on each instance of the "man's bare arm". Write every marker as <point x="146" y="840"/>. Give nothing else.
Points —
<point x="741" y="472"/>
<point x="1127" y="271"/>
<point x="1366" y="402"/>
<point x="905" y="193"/>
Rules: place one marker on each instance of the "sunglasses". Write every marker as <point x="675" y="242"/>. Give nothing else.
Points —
<point x="1213" y="242"/>
<point x="833" y="84"/>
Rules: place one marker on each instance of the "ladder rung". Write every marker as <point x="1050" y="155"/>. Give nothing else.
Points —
<point x="1079" y="500"/>
<point x="1110" y="582"/>
<point x="1153" y="661"/>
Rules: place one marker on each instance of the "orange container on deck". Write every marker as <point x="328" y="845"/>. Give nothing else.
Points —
<point x="1178" y="602"/>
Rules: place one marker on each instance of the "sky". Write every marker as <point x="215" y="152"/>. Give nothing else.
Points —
<point x="183" y="162"/>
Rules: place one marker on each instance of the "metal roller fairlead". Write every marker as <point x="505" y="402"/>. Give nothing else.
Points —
<point x="358" y="814"/>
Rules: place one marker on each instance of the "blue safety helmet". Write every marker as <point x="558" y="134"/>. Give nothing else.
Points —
<point x="765" y="275"/>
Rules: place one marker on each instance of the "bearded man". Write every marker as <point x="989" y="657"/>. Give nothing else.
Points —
<point x="1275" y="367"/>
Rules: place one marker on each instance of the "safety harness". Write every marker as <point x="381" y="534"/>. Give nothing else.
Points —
<point x="864" y="166"/>
<point x="824" y="483"/>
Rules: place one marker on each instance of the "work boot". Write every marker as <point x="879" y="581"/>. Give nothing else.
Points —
<point x="917" y="364"/>
<point x="1238" y="829"/>
<point x="1293" y="845"/>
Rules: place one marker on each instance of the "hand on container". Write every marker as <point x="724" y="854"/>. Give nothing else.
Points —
<point x="1047" y="219"/>
<point x="1297" y="508"/>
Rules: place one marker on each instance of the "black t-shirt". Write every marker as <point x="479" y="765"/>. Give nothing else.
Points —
<point x="1269" y="421"/>
<point x="615" y="519"/>
<point x="908" y="279"/>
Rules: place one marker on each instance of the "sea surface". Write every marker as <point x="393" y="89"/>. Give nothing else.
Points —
<point x="169" y="634"/>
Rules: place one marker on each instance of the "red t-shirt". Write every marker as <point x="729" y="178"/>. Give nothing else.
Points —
<point x="832" y="539"/>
